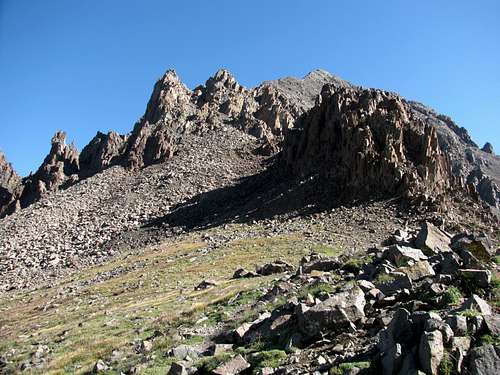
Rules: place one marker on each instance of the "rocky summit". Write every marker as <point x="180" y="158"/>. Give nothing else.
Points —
<point x="303" y="226"/>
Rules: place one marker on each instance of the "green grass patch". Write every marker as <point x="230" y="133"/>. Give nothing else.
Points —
<point x="469" y="313"/>
<point x="343" y="367"/>
<point x="446" y="366"/>
<point x="384" y="278"/>
<point x="452" y="296"/>
<point x="315" y="290"/>
<point x="268" y="358"/>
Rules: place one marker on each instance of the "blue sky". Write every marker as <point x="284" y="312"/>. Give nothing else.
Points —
<point x="84" y="66"/>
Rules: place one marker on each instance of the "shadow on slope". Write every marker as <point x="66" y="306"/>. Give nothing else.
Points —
<point x="257" y="197"/>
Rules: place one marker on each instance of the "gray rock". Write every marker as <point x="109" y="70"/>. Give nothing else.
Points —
<point x="397" y="283"/>
<point x="417" y="271"/>
<point x="243" y="273"/>
<point x="100" y="366"/>
<point x="392" y="359"/>
<point x="334" y="313"/>
<point x="434" y="324"/>
<point x="321" y="264"/>
<point x="234" y="366"/>
<point x="182" y="352"/>
<point x="458" y="324"/>
<point x="480" y="278"/>
<point x="177" y="369"/>
<point x="277" y="266"/>
<point x="431" y="351"/>
<point x="459" y="348"/>
<point x="479" y="246"/>
<point x="484" y="360"/>
<point x="401" y="255"/>
<point x="492" y="323"/>
<point x="221" y="348"/>
<point x="432" y="239"/>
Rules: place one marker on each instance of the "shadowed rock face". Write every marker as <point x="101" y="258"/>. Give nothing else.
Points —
<point x="10" y="187"/>
<point x="103" y="151"/>
<point x="368" y="143"/>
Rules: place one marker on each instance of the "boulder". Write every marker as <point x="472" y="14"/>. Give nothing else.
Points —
<point x="480" y="278"/>
<point x="395" y="283"/>
<point x="479" y="246"/>
<point x="334" y="313"/>
<point x="446" y="263"/>
<point x="392" y="359"/>
<point x="438" y="325"/>
<point x="417" y="271"/>
<point x="277" y="266"/>
<point x="182" y="352"/>
<point x="99" y="367"/>
<point x="177" y="369"/>
<point x="432" y="239"/>
<point x="206" y="284"/>
<point x="458" y="324"/>
<point x="459" y="348"/>
<point x="492" y="323"/>
<point x="322" y="264"/>
<point x="431" y="351"/>
<point x="402" y="255"/>
<point x="484" y="360"/>
<point x="234" y="366"/>
<point x="221" y="348"/>
<point x="243" y="273"/>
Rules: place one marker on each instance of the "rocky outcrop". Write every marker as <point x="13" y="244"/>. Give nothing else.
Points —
<point x="336" y="320"/>
<point x="60" y="167"/>
<point x="478" y="169"/>
<point x="367" y="143"/>
<point x="488" y="148"/>
<point x="103" y="151"/>
<point x="10" y="187"/>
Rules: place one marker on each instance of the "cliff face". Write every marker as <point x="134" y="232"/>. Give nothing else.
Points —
<point x="368" y="144"/>
<point x="10" y="187"/>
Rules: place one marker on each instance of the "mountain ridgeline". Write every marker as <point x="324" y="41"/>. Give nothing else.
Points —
<point x="367" y="143"/>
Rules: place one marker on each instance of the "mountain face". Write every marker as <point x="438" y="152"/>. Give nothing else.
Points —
<point x="367" y="142"/>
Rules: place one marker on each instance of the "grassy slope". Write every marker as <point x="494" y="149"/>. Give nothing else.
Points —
<point x="82" y="320"/>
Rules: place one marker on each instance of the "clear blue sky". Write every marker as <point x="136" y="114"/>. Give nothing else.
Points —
<point x="83" y="66"/>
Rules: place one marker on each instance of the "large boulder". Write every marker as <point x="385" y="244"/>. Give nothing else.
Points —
<point x="479" y="246"/>
<point x="431" y="351"/>
<point x="277" y="266"/>
<point x="484" y="360"/>
<point x="432" y="239"/>
<point x="340" y="310"/>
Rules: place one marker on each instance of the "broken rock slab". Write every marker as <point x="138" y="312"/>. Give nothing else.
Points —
<point x="235" y="366"/>
<point x="336" y="312"/>
<point x="432" y="239"/>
